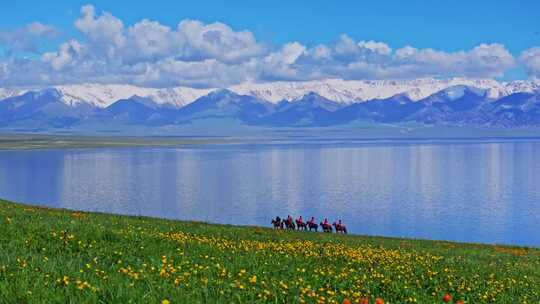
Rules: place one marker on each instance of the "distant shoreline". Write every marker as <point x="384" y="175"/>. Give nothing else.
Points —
<point x="24" y="141"/>
<point x="39" y="141"/>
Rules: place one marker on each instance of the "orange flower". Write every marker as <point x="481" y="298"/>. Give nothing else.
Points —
<point x="346" y="301"/>
<point x="379" y="301"/>
<point x="447" y="298"/>
<point x="363" y="301"/>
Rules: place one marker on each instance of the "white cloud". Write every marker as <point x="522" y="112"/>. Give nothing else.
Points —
<point x="288" y="54"/>
<point x="531" y="61"/>
<point x="217" y="41"/>
<point x="149" y="40"/>
<point x="67" y="55"/>
<point x="374" y="60"/>
<point x="321" y="52"/>
<point x="41" y="30"/>
<point x="485" y="60"/>
<point x="208" y="72"/>
<point x="26" y="38"/>
<point x="281" y="64"/>
<point x="198" y="54"/>
<point x="376" y="47"/>
<point x="348" y="50"/>
<point x="105" y="33"/>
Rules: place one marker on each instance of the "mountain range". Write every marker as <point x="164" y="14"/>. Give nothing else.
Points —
<point x="454" y="101"/>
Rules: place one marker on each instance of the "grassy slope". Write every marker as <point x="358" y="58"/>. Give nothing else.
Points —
<point x="58" y="256"/>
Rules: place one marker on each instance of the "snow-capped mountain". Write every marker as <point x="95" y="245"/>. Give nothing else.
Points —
<point x="224" y="103"/>
<point x="104" y="95"/>
<point x="452" y="106"/>
<point x="41" y="108"/>
<point x="349" y="91"/>
<point x="6" y="93"/>
<point x="290" y="104"/>
<point x="342" y="91"/>
<point x="310" y="109"/>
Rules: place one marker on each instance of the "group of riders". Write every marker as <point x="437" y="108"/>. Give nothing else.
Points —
<point x="298" y="224"/>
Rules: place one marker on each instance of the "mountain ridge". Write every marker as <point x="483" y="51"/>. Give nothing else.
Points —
<point x="454" y="105"/>
<point x="342" y="91"/>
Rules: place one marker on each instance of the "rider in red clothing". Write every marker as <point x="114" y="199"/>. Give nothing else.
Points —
<point x="289" y="219"/>
<point x="325" y="222"/>
<point x="340" y="226"/>
<point x="311" y="220"/>
<point x="300" y="220"/>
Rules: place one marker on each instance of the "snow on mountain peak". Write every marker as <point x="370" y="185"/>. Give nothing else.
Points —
<point x="362" y="90"/>
<point x="105" y="95"/>
<point x="338" y="90"/>
<point x="7" y="93"/>
<point x="458" y="91"/>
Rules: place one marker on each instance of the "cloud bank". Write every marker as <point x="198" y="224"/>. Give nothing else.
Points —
<point x="215" y="55"/>
<point x="531" y="61"/>
<point x="26" y="39"/>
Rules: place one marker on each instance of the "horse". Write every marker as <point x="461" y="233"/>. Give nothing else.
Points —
<point x="340" y="228"/>
<point x="278" y="223"/>
<point x="326" y="227"/>
<point x="312" y="225"/>
<point x="301" y="225"/>
<point x="289" y="224"/>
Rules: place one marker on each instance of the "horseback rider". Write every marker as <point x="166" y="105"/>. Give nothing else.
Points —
<point x="278" y="224"/>
<point x="300" y="220"/>
<point x="326" y="225"/>
<point x="340" y="227"/>
<point x="289" y="218"/>
<point x="311" y="224"/>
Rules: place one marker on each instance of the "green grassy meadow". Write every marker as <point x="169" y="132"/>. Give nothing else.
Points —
<point x="61" y="256"/>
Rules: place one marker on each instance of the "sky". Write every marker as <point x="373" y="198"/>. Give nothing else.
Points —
<point x="219" y="43"/>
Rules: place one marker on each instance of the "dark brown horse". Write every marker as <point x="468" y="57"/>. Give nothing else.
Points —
<point x="340" y="228"/>
<point x="289" y="224"/>
<point x="301" y="225"/>
<point x="312" y="226"/>
<point x="278" y="223"/>
<point x="326" y="227"/>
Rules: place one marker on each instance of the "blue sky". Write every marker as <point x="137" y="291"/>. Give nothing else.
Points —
<point x="448" y="27"/>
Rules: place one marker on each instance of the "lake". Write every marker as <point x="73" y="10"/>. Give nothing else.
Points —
<point x="486" y="192"/>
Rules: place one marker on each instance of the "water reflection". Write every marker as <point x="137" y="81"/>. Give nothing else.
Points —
<point x="468" y="192"/>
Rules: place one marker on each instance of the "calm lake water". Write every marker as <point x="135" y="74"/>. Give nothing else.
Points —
<point x="473" y="192"/>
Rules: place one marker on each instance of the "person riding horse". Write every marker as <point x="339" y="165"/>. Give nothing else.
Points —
<point x="326" y="226"/>
<point x="300" y="223"/>
<point x="340" y="227"/>
<point x="312" y="225"/>
<point x="289" y="223"/>
<point x="278" y="223"/>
